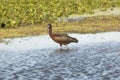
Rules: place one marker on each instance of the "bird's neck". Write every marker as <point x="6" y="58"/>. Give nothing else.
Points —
<point x="50" y="32"/>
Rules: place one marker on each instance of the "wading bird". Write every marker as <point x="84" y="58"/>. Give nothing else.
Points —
<point x="62" y="39"/>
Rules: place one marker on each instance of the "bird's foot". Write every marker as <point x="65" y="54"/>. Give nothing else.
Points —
<point x="65" y="48"/>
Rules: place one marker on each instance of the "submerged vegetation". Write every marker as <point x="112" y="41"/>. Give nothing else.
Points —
<point x="15" y="13"/>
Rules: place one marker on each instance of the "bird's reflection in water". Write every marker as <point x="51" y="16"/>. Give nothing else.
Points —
<point x="64" y="50"/>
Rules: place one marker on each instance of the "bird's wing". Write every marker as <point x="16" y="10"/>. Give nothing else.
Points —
<point x="61" y="37"/>
<point x="64" y="38"/>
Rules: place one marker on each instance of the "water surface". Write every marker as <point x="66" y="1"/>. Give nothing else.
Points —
<point x="94" y="57"/>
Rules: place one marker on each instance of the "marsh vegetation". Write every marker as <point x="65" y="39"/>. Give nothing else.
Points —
<point x="27" y="18"/>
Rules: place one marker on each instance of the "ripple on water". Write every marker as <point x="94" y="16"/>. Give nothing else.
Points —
<point x="38" y="58"/>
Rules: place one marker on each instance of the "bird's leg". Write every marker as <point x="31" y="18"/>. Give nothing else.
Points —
<point x="61" y="46"/>
<point x="66" y="47"/>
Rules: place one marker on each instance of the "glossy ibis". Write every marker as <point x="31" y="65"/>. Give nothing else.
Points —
<point x="62" y="39"/>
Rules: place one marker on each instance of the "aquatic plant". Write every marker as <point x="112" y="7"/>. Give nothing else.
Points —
<point x="15" y="13"/>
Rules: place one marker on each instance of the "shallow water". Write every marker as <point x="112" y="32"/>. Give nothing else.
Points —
<point x="94" y="57"/>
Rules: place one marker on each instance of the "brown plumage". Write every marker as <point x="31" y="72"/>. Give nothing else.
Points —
<point x="62" y="39"/>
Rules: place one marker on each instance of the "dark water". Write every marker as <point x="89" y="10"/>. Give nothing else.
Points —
<point x="96" y="57"/>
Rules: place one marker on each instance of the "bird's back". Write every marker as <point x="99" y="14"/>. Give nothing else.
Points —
<point x="63" y="39"/>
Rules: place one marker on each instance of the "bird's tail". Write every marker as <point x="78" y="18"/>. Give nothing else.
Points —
<point x="74" y="40"/>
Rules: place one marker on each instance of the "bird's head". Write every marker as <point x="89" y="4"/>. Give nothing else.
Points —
<point x="49" y="26"/>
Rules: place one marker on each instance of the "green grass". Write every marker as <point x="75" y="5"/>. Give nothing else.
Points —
<point x="15" y="13"/>
<point x="90" y="25"/>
